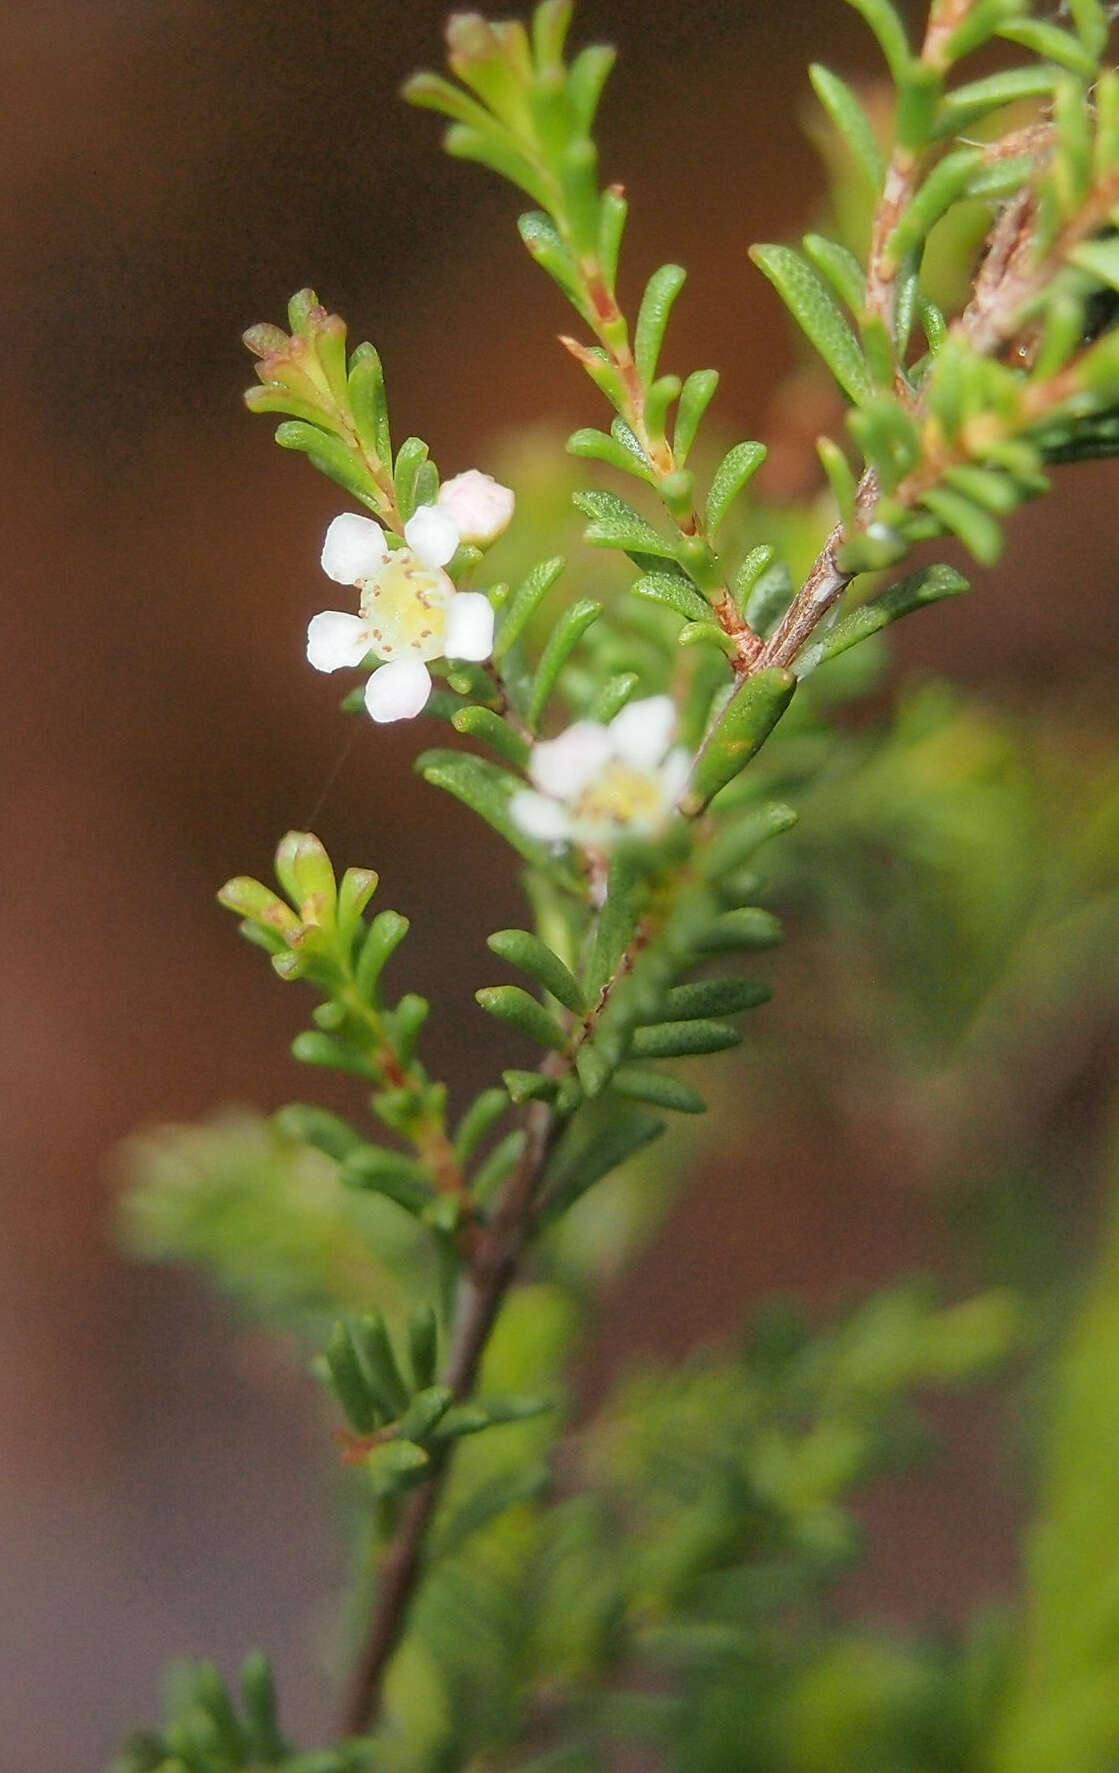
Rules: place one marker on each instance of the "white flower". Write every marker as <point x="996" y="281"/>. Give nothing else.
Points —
<point x="596" y="784"/>
<point x="478" y="506"/>
<point x="410" y="610"/>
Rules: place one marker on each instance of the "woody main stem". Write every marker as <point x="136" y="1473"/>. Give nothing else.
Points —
<point x="493" y="1268"/>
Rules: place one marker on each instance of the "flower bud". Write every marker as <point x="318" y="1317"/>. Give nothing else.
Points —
<point x="479" y="507"/>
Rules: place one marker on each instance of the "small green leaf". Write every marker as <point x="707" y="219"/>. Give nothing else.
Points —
<point x="696" y="396"/>
<point x="310" y="1125"/>
<point x="410" y="458"/>
<point x="600" y="446"/>
<point x="841" y="268"/>
<point x="489" y="1412"/>
<point x="1073" y="168"/>
<point x="614" y="524"/>
<point x="740" y="839"/>
<point x="551" y="21"/>
<point x="927" y="586"/>
<point x="992" y="489"/>
<point x="480" y="1118"/>
<point x="934" y="324"/>
<point x="617" y="919"/>
<point x="546" y="246"/>
<point x="586" y="1154"/>
<point x="757" y="562"/>
<point x="523" y="604"/>
<point x="357" y="888"/>
<point x="258" y="1691"/>
<point x="1053" y="44"/>
<point x="252" y="900"/>
<point x="523" y="1013"/>
<point x="1092" y="24"/>
<point x="404" y="1025"/>
<point x="304" y="870"/>
<point x="841" y="479"/>
<point x="498" y="1165"/>
<point x="432" y="93"/>
<point x="484" y="146"/>
<point x="674" y="592"/>
<point x="658" y="1089"/>
<point x="945" y="184"/>
<point x="737" y="467"/>
<point x="968" y="103"/>
<point x="212" y="1695"/>
<point x="852" y="123"/>
<point x="331" y="457"/>
<point x="423" y="1345"/>
<point x="315" y="1048"/>
<point x="529" y="1086"/>
<point x="578" y="169"/>
<point x="561" y="643"/>
<point x="371" y="1339"/>
<point x="395" y="1465"/>
<point x="386" y="933"/>
<point x="888" y="438"/>
<point x="614" y="695"/>
<point x="815" y="309"/>
<point x="920" y="88"/>
<point x="977" y="24"/>
<point x="613" y="210"/>
<point x="486" y="790"/>
<point x="398" y="1177"/>
<point x="708" y="634"/>
<point x="1100" y="258"/>
<point x="740" y="732"/>
<point x="652" y="320"/>
<point x="369" y="404"/>
<point x="746" y="930"/>
<point x="350" y="1383"/>
<point x="980" y="533"/>
<point x="675" y="1040"/>
<point x="527" y="952"/>
<point x="482" y="723"/>
<point x="700" y="999"/>
<point x="889" y="30"/>
<point x="424" y="1410"/>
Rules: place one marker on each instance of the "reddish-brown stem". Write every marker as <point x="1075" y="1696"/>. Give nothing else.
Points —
<point x="492" y="1269"/>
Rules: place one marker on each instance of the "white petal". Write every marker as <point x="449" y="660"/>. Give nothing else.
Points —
<point x="480" y="507"/>
<point x="469" y="631"/>
<point x="354" y="549"/>
<point x="336" y="640"/>
<point x="642" y="732"/>
<point x="566" y="765"/>
<point x="398" y="690"/>
<point x="539" y="816"/>
<point x="675" y="770"/>
<point x="432" y="535"/>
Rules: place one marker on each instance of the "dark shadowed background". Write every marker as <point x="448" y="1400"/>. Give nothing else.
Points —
<point x="171" y="171"/>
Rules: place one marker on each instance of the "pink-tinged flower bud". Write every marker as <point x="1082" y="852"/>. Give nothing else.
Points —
<point x="479" y="507"/>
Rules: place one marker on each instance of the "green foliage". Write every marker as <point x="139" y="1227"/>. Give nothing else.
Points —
<point x="1063" y="1700"/>
<point x="339" y="414"/>
<point x="673" y="1594"/>
<point x="265" y="1216"/>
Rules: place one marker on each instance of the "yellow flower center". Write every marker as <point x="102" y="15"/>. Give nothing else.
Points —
<point x="405" y="608"/>
<point x="622" y="795"/>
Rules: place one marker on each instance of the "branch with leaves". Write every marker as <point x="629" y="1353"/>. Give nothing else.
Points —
<point x="613" y="743"/>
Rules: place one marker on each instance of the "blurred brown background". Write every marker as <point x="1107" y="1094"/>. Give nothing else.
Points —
<point x="172" y="169"/>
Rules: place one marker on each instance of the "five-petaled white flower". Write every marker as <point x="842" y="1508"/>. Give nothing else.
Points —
<point x="410" y="610"/>
<point x="596" y="784"/>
